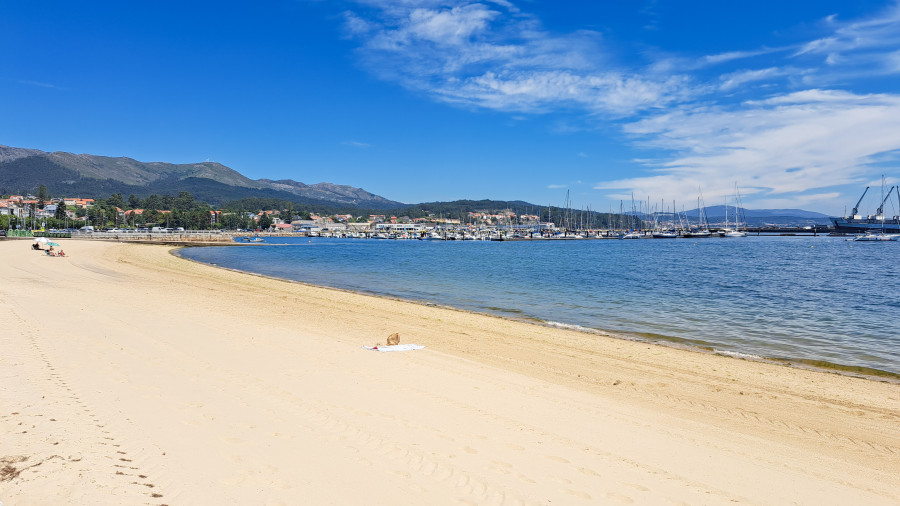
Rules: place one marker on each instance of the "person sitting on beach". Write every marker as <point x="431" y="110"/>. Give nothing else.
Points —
<point x="36" y="246"/>
<point x="62" y="253"/>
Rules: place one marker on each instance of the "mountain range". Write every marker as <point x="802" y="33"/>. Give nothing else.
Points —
<point x="22" y="170"/>
<point x="68" y="174"/>
<point x="762" y="217"/>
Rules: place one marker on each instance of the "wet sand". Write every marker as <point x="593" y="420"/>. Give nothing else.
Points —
<point x="131" y="376"/>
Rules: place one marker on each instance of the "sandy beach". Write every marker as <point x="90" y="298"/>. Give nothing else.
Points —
<point x="131" y="376"/>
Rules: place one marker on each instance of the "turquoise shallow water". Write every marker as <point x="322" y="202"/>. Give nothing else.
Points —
<point x="783" y="297"/>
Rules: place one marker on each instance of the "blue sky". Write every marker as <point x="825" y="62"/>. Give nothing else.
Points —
<point x="798" y="103"/>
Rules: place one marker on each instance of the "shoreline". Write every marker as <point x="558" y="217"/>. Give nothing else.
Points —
<point x="134" y="376"/>
<point x="675" y="342"/>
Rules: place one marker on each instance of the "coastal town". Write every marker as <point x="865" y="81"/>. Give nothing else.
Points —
<point x="183" y="215"/>
<point x="81" y="215"/>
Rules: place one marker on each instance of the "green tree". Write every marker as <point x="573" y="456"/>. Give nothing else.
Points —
<point x="230" y="221"/>
<point x="151" y="215"/>
<point x="265" y="221"/>
<point x="154" y="202"/>
<point x="134" y="202"/>
<point x="116" y="200"/>
<point x="198" y="219"/>
<point x="184" y="201"/>
<point x="60" y="211"/>
<point x="42" y="196"/>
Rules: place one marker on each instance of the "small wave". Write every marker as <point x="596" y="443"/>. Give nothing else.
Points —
<point x="737" y="354"/>
<point x="570" y="326"/>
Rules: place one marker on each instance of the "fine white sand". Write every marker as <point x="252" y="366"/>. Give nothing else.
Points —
<point x="130" y="376"/>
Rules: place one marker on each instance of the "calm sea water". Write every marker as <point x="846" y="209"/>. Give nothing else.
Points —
<point x="783" y="297"/>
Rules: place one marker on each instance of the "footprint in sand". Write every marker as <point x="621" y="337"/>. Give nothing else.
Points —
<point x="588" y="471"/>
<point x="501" y="467"/>
<point x="579" y="494"/>
<point x="619" y="498"/>
<point x="524" y="478"/>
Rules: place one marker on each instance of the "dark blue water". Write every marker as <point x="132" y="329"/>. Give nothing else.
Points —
<point x="788" y="297"/>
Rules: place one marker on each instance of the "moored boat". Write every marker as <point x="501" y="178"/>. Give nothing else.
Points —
<point x="855" y="223"/>
<point x="877" y="237"/>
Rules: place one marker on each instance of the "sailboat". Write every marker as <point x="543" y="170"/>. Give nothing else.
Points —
<point x="736" y="232"/>
<point x="632" y="232"/>
<point x="702" y="229"/>
<point x="661" y="232"/>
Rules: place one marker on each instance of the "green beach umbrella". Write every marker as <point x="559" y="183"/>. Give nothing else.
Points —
<point x="52" y="244"/>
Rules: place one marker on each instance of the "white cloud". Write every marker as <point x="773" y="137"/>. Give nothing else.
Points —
<point x="810" y="135"/>
<point x="822" y="45"/>
<point x="866" y="44"/>
<point x="495" y="57"/>
<point x="453" y="26"/>
<point x="715" y="59"/>
<point x="735" y="79"/>
<point x="816" y="201"/>
<point x="785" y="145"/>
<point x="536" y="91"/>
<point x="357" y="144"/>
<point x="40" y="84"/>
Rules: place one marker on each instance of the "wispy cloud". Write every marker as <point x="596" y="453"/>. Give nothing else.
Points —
<point x="817" y="200"/>
<point x="734" y="80"/>
<point x="703" y="116"/>
<point x="858" y="47"/>
<point x="873" y="33"/>
<point x="491" y="55"/>
<point x="555" y="186"/>
<point x="784" y="145"/>
<point x="40" y="84"/>
<point x="357" y="144"/>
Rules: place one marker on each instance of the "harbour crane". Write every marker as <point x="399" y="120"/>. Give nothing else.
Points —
<point x="881" y="207"/>
<point x="855" y="211"/>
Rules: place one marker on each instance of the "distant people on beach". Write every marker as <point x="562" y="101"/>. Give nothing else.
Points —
<point x="50" y="252"/>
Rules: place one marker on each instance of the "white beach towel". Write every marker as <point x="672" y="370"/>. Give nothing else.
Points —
<point x="396" y="347"/>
